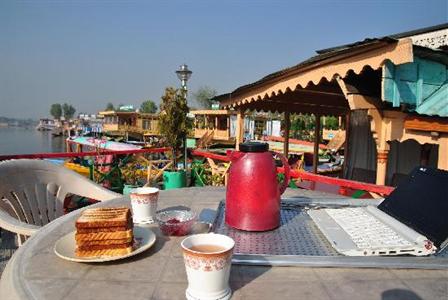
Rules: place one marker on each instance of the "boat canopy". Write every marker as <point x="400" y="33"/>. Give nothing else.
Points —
<point x="103" y="144"/>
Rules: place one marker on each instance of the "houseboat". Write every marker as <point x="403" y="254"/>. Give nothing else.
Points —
<point x="130" y="125"/>
<point x="218" y="126"/>
<point x="214" y="126"/>
<point x="46" y="125"/>
<point x="87" y="124"/>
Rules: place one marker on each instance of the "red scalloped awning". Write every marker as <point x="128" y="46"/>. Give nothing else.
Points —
<point x="265" y="93"/>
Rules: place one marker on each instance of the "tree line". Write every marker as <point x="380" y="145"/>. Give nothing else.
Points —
<point x="67" y="110"/>
<point x="147" y="106"/>
<point x="203" y="97"/>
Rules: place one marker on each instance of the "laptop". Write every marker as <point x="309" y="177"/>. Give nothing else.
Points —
<point x="412" y="220"/>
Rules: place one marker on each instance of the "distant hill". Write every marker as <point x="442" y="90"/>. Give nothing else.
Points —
<point x="13" y="122"/>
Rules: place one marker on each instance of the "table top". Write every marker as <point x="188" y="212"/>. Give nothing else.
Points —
<point x="35" y="272"/>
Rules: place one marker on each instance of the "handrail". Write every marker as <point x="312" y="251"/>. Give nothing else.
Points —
<point x="293" y="141"/>
<point x="343" y="183"/>
<point x="210" y="155"/>
<point x="78" y="154"/>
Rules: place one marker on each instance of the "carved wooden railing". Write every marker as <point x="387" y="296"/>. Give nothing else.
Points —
<point x="306" y="176"/>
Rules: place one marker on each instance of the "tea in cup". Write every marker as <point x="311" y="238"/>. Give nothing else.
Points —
<point x="144" y="204"/>
<point x="208" y="258"/>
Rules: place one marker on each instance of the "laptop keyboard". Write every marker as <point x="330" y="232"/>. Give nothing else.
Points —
<point x="365" y="230"/>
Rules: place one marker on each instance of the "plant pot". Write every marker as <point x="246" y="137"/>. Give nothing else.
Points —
<point x="198" y="173"/>
<point x="128" y="187"/>
<point x="191" y="143"/>
<point x="174" y="179"/>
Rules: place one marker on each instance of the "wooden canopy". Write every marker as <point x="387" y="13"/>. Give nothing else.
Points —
<point x="317" y="85"/>
<point x="310" y="87"/>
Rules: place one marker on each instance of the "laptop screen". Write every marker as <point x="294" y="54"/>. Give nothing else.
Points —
<point x="421" y="202"/>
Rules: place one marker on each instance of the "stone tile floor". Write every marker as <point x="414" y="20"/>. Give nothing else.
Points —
<point x="7" y="247"/>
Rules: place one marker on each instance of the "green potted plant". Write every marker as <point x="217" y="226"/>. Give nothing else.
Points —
<point x="132" y="178"/>
<point x="174" y="126"/>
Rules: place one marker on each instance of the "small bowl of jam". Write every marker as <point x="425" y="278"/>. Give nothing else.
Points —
<point x="176" y="222"/>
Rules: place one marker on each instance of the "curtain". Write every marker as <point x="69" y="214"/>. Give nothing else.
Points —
<point x="232" y="125"/>
<point x="405" y="156"/>
<point x="361" y="162"/>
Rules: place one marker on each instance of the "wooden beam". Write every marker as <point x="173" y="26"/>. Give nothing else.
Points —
<point x="346" y="88"/>
<point x="318" y="92"/>
<point x="326" y="87"/>
<point x="358" y="101"/>
<point x="316" y="144"/>
<point x="286" y="134"/>
<point x="295" y="108"/>
<point x="426" y="124"/>
<point x="309" y="98"/>
<point x="323" y="106"/>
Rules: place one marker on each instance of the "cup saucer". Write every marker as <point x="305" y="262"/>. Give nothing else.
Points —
<point x="143" y="222"/>
<point x="225" y="296"/>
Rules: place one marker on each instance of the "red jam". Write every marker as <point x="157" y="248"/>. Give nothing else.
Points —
<point x="175" y="227"/>
<point x="173" y="221"/>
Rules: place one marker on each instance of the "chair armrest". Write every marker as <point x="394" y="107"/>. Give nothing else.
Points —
<point x="105" y="195"/>
<point x="12" y="224"/>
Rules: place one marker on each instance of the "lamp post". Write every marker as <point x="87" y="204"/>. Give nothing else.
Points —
<point x="183" y="73"/>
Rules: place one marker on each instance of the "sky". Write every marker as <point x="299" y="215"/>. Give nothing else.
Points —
<point x="89" y="53"/>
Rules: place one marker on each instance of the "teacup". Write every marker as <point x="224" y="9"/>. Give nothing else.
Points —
<point x="144" y="204"/>
<point x="208" y="258"/>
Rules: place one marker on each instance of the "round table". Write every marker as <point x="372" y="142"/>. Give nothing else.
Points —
<point x="35" y="272"/>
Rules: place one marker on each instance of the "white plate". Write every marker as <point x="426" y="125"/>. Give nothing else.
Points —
<point x="65" y="247"/>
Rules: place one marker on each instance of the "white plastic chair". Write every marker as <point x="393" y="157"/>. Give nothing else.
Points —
<point x="35" y="191"/>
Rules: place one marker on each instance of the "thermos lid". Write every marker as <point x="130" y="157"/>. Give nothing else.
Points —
<point x="254" y="147"/>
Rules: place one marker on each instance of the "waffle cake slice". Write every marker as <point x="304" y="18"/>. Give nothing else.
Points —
<point x="104" y="232"/>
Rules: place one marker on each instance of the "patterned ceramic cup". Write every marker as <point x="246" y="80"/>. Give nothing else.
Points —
<point x="207" y="259"/>
<point x="144" y="204"/>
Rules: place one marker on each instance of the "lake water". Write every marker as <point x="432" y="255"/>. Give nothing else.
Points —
<point x="18" y="140"/>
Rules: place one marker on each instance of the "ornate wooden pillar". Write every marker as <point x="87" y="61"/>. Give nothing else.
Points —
<point x="239" y="134"/>
<point x="228" y="127"/>
<point x="381" y="166"/>
<point x="346" y="142"/>
<point x="443" y="153"/>
<point x="316" y="144"/>
<point x="286" y="133"/>
<point x="381" y="129"/>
